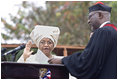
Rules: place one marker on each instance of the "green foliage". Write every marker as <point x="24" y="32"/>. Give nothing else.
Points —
<point x="114" y="12"/>
<point x="69" y="16"/>
<point x="18" y="55"/>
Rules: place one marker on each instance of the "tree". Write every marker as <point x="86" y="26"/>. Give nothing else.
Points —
<point x="69" y="16"/>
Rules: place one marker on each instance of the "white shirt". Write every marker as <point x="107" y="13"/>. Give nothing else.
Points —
<point x="104" y="24"/>
<point x="39" y="58"/>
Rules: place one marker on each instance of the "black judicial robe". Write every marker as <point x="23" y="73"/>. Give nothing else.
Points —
<point x="99" y="58"/>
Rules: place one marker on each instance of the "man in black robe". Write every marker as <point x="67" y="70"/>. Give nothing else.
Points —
<point x="99" y="58"/>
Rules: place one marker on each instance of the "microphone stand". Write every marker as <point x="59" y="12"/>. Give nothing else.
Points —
<point x="13" y="52"/>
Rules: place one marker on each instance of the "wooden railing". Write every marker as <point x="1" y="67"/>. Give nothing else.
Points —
<point x="60" y="50"/>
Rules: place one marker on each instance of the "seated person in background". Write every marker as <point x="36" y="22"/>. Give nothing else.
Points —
<point x="45" y="38"/>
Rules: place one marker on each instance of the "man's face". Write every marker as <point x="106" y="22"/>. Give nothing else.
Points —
<point x="93" y="20"/>
<point x="46" y="46"/>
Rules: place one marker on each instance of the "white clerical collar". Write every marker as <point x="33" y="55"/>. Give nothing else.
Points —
<point x="104" y="24"/>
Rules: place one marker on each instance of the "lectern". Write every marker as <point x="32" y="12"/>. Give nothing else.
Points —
<point x="14" y="70"/>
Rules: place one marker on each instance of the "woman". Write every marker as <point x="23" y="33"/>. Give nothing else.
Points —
<point x="45" y="38"/>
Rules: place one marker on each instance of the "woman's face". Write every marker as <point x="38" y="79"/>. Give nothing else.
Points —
<point x="46" y="46"/>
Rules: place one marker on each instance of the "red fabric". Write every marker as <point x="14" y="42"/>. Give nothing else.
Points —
<point x="111" y="25"/>
<point x="99" y="3"/>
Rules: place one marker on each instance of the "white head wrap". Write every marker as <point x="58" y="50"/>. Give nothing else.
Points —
<point x="40" y="32"/>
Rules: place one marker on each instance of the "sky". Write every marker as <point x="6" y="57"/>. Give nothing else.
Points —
<point x="11" y="7"/>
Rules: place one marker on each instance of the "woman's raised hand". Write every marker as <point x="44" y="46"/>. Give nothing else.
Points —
<point x="27" y="51"/>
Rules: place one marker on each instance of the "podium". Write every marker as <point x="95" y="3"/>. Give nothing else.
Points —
<point x="14" y="70"/>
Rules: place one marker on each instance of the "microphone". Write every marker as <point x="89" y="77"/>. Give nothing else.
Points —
<point x="14" y="50"/>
